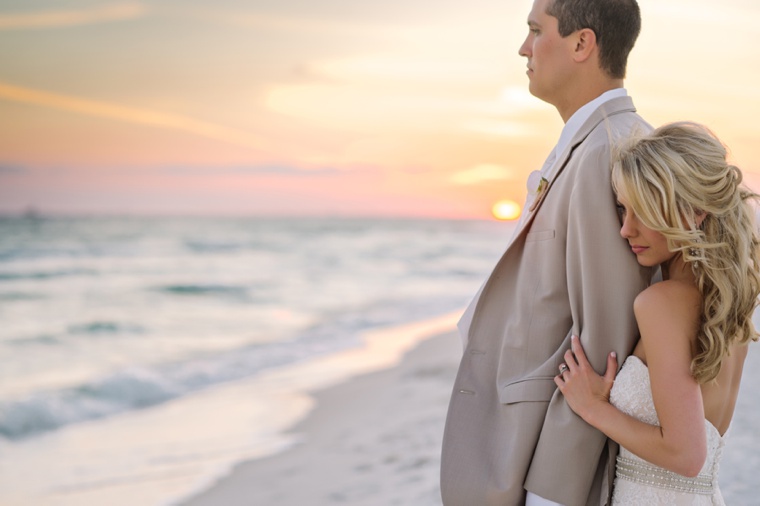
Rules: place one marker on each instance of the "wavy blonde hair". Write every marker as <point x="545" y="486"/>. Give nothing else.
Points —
<point x="670" y="177"/>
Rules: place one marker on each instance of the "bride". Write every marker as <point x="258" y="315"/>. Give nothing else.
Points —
<point x="683" y="208"/>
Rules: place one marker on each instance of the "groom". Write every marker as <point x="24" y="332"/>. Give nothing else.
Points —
<point x="510" y="437"/>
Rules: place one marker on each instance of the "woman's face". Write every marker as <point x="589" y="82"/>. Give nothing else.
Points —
<point x="649" y="246"/>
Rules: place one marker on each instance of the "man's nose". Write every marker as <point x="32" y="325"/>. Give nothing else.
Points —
<point x="524" y="48"/>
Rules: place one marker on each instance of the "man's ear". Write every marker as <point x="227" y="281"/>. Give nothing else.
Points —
<point x="585" y="44"/>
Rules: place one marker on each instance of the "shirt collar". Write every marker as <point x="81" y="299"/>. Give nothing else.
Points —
<point x="581" y="115"/>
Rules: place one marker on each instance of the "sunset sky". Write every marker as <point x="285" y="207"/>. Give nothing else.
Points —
<point x="330" y="107"/>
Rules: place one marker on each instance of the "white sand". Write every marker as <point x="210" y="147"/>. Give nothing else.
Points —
<point x="374" y="440"/>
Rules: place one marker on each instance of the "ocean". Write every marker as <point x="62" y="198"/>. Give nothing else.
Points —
<point x="139" y="355"/>
<point x="141" y="358"/>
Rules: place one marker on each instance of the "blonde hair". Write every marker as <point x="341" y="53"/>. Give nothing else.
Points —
<point x="672" y="176"/>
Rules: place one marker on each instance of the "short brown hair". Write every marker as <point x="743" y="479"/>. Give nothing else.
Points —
<point x="616" y="23"/>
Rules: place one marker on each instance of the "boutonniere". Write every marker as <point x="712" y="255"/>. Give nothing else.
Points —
<point x="537" y="186"/>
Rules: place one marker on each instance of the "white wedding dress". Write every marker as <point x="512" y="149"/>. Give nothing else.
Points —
<point x="637" y="482"/>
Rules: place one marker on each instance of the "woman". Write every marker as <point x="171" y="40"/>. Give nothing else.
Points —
<point x="682" y="208"/>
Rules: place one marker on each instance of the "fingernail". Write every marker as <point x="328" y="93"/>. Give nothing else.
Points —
<point x="574" y="337"/>
<point x="614" y="355"/>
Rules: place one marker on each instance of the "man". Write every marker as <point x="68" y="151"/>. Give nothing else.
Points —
<point x="510" y="437"/>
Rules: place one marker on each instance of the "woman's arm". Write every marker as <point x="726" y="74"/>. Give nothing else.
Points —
<point x="667" y="313"/>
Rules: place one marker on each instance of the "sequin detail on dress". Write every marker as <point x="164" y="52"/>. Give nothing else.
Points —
<point x="639" y="483"/>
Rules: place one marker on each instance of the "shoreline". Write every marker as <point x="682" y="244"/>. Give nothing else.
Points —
<point x="174" y="451"/>
<point x="375" y="439"/>
<point x="349" y="450"/>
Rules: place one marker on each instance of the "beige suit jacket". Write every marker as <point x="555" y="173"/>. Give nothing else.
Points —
<point x="566" y="272"/>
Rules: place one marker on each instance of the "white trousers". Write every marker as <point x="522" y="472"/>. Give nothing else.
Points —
<point x="534" y="500"/>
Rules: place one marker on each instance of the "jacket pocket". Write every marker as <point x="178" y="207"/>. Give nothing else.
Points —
<point x="539" y="389"/>
<point x="539" y="235"/>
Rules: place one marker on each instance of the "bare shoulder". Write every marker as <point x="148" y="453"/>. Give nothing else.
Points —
<point x="669" y="296"/>
<point x="671" y="303"/>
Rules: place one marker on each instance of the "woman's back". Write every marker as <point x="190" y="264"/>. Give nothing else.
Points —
<point x="719" y="397"/>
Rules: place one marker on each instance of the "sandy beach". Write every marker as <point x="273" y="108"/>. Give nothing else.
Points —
<point x="374" y="440"/>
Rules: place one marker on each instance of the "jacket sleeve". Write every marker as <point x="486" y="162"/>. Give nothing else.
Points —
<point x="603" y="278"/>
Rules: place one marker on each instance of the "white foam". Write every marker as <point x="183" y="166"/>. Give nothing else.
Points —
<point x="161" y="454"/>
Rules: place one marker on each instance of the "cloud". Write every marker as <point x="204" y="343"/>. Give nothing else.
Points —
<point x="256" y="170"/>
<point x="501" y="128"/>
<point x="295" y="24"/>
<point x="62" y="18"/>
<point x="483" y="173"/>
<point x="372" y="109"/>
<point x="420" y="68"/>
<point x="11" y="169"/>
<point x="518" y="98"/>
<point x="128" y="114"/>
<point x="282" y="170"/>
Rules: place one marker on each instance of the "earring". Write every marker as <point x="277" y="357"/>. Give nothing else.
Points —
<point x="695" y="254"/>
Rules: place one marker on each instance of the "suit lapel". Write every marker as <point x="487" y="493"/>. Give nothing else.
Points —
<point x="614" y="106"/>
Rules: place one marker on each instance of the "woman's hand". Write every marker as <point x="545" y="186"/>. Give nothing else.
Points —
<point x="582" y="387"/>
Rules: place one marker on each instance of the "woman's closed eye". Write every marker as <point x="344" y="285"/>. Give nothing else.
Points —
<point x="621" y="212"/>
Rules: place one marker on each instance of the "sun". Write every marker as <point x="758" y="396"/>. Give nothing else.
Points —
<point x="506" y="210"/>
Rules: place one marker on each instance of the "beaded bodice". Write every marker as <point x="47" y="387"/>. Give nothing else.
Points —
<point x="639" y="482"/>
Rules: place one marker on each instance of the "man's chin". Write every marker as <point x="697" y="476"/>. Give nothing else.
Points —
<point x="535" y="92"/>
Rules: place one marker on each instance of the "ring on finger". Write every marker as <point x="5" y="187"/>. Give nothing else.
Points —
<point x="563" y="368"/>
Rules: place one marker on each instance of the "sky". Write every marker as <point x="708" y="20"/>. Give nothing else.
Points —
<point x="294" y="107"/>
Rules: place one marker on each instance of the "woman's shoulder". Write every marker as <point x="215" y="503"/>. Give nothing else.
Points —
<point x="668" y="315"/>
<point x="670" y="287"/>
<point x="669" y="299"/>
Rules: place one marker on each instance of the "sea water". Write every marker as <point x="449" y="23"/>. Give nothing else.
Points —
<point x="141" y="358"/>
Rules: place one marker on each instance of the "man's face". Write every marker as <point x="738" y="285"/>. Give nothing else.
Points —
<point x="549" y="55"/>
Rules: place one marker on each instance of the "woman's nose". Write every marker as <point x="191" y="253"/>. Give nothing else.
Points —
<point x="626" y="229"/>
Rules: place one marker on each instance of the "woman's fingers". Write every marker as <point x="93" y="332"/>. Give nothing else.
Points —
<point x="612" y="364"/>
<point x="577" y="349"/>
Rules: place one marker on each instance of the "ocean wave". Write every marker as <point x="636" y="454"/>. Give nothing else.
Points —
<point x="131" y="389"/>
<point x="44" y="275"/>
<point x="17" y="296"/>
<point x="93" y="329"/>
<point x="133" y="282"/>
<point x="105" y="327"/>
<point x="44" y="339"/>
<point x="201" y="290"/>
<point x="137" y="388"/>
<point x="46" y="411"/>
<point x="216" y="247"/>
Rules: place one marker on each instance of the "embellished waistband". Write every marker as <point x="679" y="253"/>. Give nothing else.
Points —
<point x="648" y="474"/>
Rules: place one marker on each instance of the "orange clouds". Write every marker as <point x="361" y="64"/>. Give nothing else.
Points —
<point x="127" y="114"/>
<point x="432" y="97"/>
<point x="58" y="18"/>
